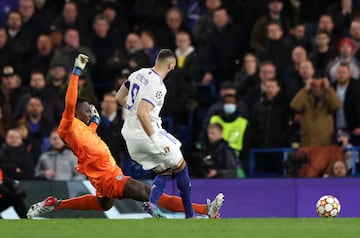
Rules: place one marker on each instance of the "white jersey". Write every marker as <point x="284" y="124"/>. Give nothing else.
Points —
<point x="145" y="84"/>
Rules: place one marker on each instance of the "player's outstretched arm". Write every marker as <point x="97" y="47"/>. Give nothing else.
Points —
<point x="122" y="94"/>
<point x="72" y="90"/>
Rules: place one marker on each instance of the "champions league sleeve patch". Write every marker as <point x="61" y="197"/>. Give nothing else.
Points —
<point x="158" y="95"/>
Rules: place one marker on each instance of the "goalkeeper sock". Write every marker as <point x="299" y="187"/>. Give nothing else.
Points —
<point x="174" y="204"/>
<point x="184" y="185"/>
<point x="158" y="188"/>
<point x="86" y="202"/>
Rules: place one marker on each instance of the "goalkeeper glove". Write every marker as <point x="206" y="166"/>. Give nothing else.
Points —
<point x="95" y="117"/>
<point x="80" y="63"/>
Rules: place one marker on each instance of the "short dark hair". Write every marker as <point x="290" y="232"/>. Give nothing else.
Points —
<point x="215" y="125"/>
<point x="79" y="101"/>
<point x="165" y="53"/>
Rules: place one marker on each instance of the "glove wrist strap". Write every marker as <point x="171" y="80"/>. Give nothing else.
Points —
<point x="96" y="120"/>
<point x="77" y="71"/>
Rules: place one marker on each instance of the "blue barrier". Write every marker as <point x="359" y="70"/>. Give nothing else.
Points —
<point x="285" y="151"/>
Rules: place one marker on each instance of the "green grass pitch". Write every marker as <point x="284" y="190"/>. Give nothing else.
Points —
<point x="173" y="228"/>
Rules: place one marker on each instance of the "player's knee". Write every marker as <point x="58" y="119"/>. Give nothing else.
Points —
<point x="106" y="204"/>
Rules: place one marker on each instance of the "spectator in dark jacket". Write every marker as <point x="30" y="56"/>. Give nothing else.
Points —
<point x="348" y="116"/>
<point x="216" y="159"/>
<point x="15" y="161"/>
<point x="270" y="126"/>
<point x="11" y="194"/>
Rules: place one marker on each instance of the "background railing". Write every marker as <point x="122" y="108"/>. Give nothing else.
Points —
<point x="285" y="152"/>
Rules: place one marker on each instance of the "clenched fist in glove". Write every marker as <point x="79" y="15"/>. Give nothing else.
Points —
<point x="95" y="117"/>
<point x="80" y="63"/>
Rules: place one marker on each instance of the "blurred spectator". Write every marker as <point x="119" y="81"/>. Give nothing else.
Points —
<point x="204" y="26"/>
<point x="3" y="128"/>
<point x="150" y="46"/>
<point x="133" y="57"/>
<point x="178" y="100"/>
<point x="165" y="36"/>
<point x="47" y="10"/>
<point x="346" y="49"/>
<point x="32" y="144"/>
<point x="57" y="78"/>
<point x="41" y="59"/>
<point x="275" y="48"/>
<point x="110" y="126"/>
<point x="235" y="128"/>
<point x="103" y="43"/>
<point x="120" y="78"/>
<point x="70" y="19"/>
<point x="343" y="140"/>
<point x="5" y="7"/>
<point x="221" y="61"/>
<point x="66" y="54"/>
<point x="292" y="74"/>
<point x="12" y="194"/>
<point x="7" y="51"/>
<point x="355" y="36"/>
<point x="310" y="12"/>
<point x="348" y="116"/>
<point x="188" y="64"/>
<point x="56" y="36"/>
<point x="149" y="14"/>
<point x="295" y="84"/>
<point x="248" y="75"/>
<point x="323" y="53"/>
<point x="270" y="127"/>
<point x="297" y="36"/>
<point x="215" y="159"/>
<point x="259" y="30"/>
<point x="316" y="104"/>
<point x="119" y="22"/>
<point x="267" y="70"/>
<point x="339" y="169"/>
<point x="53" y="106"/>
<point x="191" y="11"/>
<point x="19" y="38"/>
<point x="33" y="23"/>
<point x="325" y="23"/>
<point x="40" y="126"/>
<point x="59" y="163"/>
<point x="15" y="161"/>
<point x="11" y="91"/>
<point x="226" y="88"/>
<point x="342" y="13"/>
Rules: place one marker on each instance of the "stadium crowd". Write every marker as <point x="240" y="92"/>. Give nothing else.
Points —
<point x="261" y="74"/>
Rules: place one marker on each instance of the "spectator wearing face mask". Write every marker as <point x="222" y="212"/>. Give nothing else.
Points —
<point x="235" y="127"/>
<point x="226" y="88"/>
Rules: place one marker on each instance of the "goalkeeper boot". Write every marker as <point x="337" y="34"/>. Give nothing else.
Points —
<point x="45" y="206"/>
<point x="153" y="210"/>
<point x="213" y="207"/>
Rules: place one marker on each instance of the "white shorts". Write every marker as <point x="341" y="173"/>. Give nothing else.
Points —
<point x="149" y="157"/>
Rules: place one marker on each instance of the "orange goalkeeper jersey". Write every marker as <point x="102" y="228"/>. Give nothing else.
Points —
<point x="94" y="157"/>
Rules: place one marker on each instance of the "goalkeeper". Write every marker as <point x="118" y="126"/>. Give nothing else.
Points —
<point x="78" y="129"/>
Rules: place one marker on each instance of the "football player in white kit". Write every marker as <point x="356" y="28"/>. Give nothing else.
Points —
<point x="148" y="143"/>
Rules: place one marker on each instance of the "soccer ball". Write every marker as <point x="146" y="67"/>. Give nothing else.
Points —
<point x="328" y="206"/>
